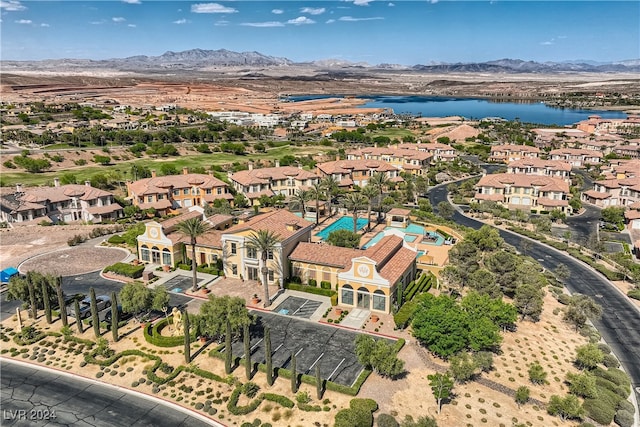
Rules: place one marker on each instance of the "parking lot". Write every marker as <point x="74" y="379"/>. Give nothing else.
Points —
<point x="331" y="348"/>
<point x="297" y="307"/>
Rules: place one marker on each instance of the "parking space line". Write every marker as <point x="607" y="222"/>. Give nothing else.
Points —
<point x="314" y="363"/>
<point x="303" y="304"/>
<point x="299" y="351"/>
<point x="334" y="371"/>
<point x="252" y="347"/>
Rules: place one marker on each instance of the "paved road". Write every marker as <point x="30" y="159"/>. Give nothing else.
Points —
<point x="80" y="284"/>
<point x="584" y="225"/>
<point x="31" y="395"/>
<point x="620" y="323"/>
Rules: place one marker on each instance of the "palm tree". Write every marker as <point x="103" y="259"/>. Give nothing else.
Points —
<point x="193" y="228"/>
<point x="264" y="241"/>
<point x="354" y="202"/>
<point x="299" y="200"/>
<point x="331" y="187"/>
<point x="316" y="192"/>
<point x="370" y="192"/>
<point x="380" y="181"/>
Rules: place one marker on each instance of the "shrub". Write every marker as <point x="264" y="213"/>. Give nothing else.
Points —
<point x="624" y="418"/>
<point x="116" y="240"/>
<point x="127" y="270"/>
<point x="313" y="282"/>
<point x="386" y="420"/>
<point x="403" y="317"/>
<point x="634" y="293"/>
<point x="610" y="361"/>
<point x="599" y="411"/>
<point x="250" y="389"/>
<point x="325" y="285"/>
<point x="310" y="289"/>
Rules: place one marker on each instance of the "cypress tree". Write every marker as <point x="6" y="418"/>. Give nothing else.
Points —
<point x="228" y="354"/>
<point x="318" y="382"/>
<point x="267" y="354"/>
<point x="61" y="303"/>
<point x="95" y="320"/>
<point x="76" y="308"/>
<point x="247" y="351"/>
<point x="114" y="317"/>
<point x="45" y="297"/>
<point x="294" y="374"/>
<point x="32" y="296"/>
<point x="187" y="337"/>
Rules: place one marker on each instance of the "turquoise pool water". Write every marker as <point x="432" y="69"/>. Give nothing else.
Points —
<point x="342" y="223"/>
<point x="410" y="229"/>
<point x="438" y="240"/>
<point x="407" y="237"/>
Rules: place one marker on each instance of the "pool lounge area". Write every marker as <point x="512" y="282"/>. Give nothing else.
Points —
<point x="342" y="223"/>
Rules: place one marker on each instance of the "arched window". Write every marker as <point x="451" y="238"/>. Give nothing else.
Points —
<point x="347" y="295"/>
<point x="379" y="301"/>
<point x="155" y="255"/>
<point x="166" y="257"/>
<point x="144" y="253"/>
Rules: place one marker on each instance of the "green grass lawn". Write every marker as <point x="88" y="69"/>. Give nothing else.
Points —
<point x="84" y="173"/>
<point x="392" y="133"/>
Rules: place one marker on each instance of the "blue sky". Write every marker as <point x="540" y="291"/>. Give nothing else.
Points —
<point x="391" y="31"/>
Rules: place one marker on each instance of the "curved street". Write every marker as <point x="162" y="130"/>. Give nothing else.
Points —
<point x="620" y="322"/>
<point x="36" y="397"/>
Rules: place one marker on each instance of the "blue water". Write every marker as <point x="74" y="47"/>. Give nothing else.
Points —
<point x="407" y="237"/>
<point x="424" y="106"/>
<point x="342" y="223"/>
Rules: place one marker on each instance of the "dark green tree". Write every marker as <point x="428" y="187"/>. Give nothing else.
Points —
<point x="32" y="297"/>
<point x="187" y="338"/>
<point x="580" y="309"/>
<point x="588" y="356"/>
<point x="246" y="337"/>
<point x="268" y="355"/>
<point x="463" y="367"/>
<point x="445" y="210"/>
<point x="61" y="302"/>
<point x="344" y="239"/>
<point x="114" y="317"/>
<point x="95" y="320"/>
<point x="522" y="395"/>
<point x="529" y="301"/>
<point x="47" y="301"/>
<point x="76" y="311"/>
<point x="228" y="353"/>
<point x="294" y="374"/>
<point x="537" y="375"/>
<point x="319" y="385"/>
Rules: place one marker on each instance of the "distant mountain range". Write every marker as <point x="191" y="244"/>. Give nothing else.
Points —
<point x="199" y="59"/>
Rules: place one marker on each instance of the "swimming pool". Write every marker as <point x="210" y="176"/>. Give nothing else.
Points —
<point x="342" y="223"/>
<point x="410" y="229"/>
<point x="436" y="239"/>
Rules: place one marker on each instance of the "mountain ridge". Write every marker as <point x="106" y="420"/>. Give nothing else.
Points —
<point x="201" y="59"/>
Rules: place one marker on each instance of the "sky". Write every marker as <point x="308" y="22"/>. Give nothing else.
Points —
<point x="373" y="31"/>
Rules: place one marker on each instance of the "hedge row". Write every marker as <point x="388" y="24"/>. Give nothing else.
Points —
<point x="310" y="289"/>
<point x="403" y="317"/>
<point x="153" y="336"/>
<point x="234" y="409"/>
<point x="124" y="269"/>
<point x="444" y="234"/>
<point x="423" y="284"/>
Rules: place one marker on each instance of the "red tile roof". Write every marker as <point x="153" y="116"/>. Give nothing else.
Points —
<point x="324" y="254"/>
<point x="279" y="221"/>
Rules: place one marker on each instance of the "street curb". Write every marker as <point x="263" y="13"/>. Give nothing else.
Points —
<point x="165" y="402"/>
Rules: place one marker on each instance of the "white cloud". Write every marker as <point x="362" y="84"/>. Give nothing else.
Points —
<point x="330" y="21"/>
<point x="211" y="8"/>
<point x="132" y="25"/>
<point x="118" y="19"/>
<point x="547" y="43"/>
<point x="391" y="4"/>
<point x="96" y="22"/>
<point x="221" y="23"/>
<point x="352" y="19"/>
<point x="362" y="2"/>
<point x="277" y="11"/>
<point x="313" y="11"/>
<point x="301" y="20"/>
<point x="268" y="24"/>
<point x="180" y="21"/>
<point x="12" y="6"/>
<point x="433" y="1"/>
<point x="45" y="25"/>
<point x="23" y="21"/>
<point x="132" y="1"/>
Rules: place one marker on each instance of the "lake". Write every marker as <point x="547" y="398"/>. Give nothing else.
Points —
<point x="472" y="108"/>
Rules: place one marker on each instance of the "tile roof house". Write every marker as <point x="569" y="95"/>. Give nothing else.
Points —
<point x="614" y="192"/>
<point x="68" y="203"/>
<point x="508" y="152"/>
<point x="439" y="151"/>
<point x="285" y="180"/>
<point x="358" y="172"/>
<point x="553" y="168"/>
<point x="529" y="192"/>
<point x="576" y="157"/>
<point x="412" y="161"/>
<point x="172" y="192"/>
<point x="365" y="279"/>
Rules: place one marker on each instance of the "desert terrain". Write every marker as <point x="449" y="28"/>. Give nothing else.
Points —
<point x="261" y="90"/>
